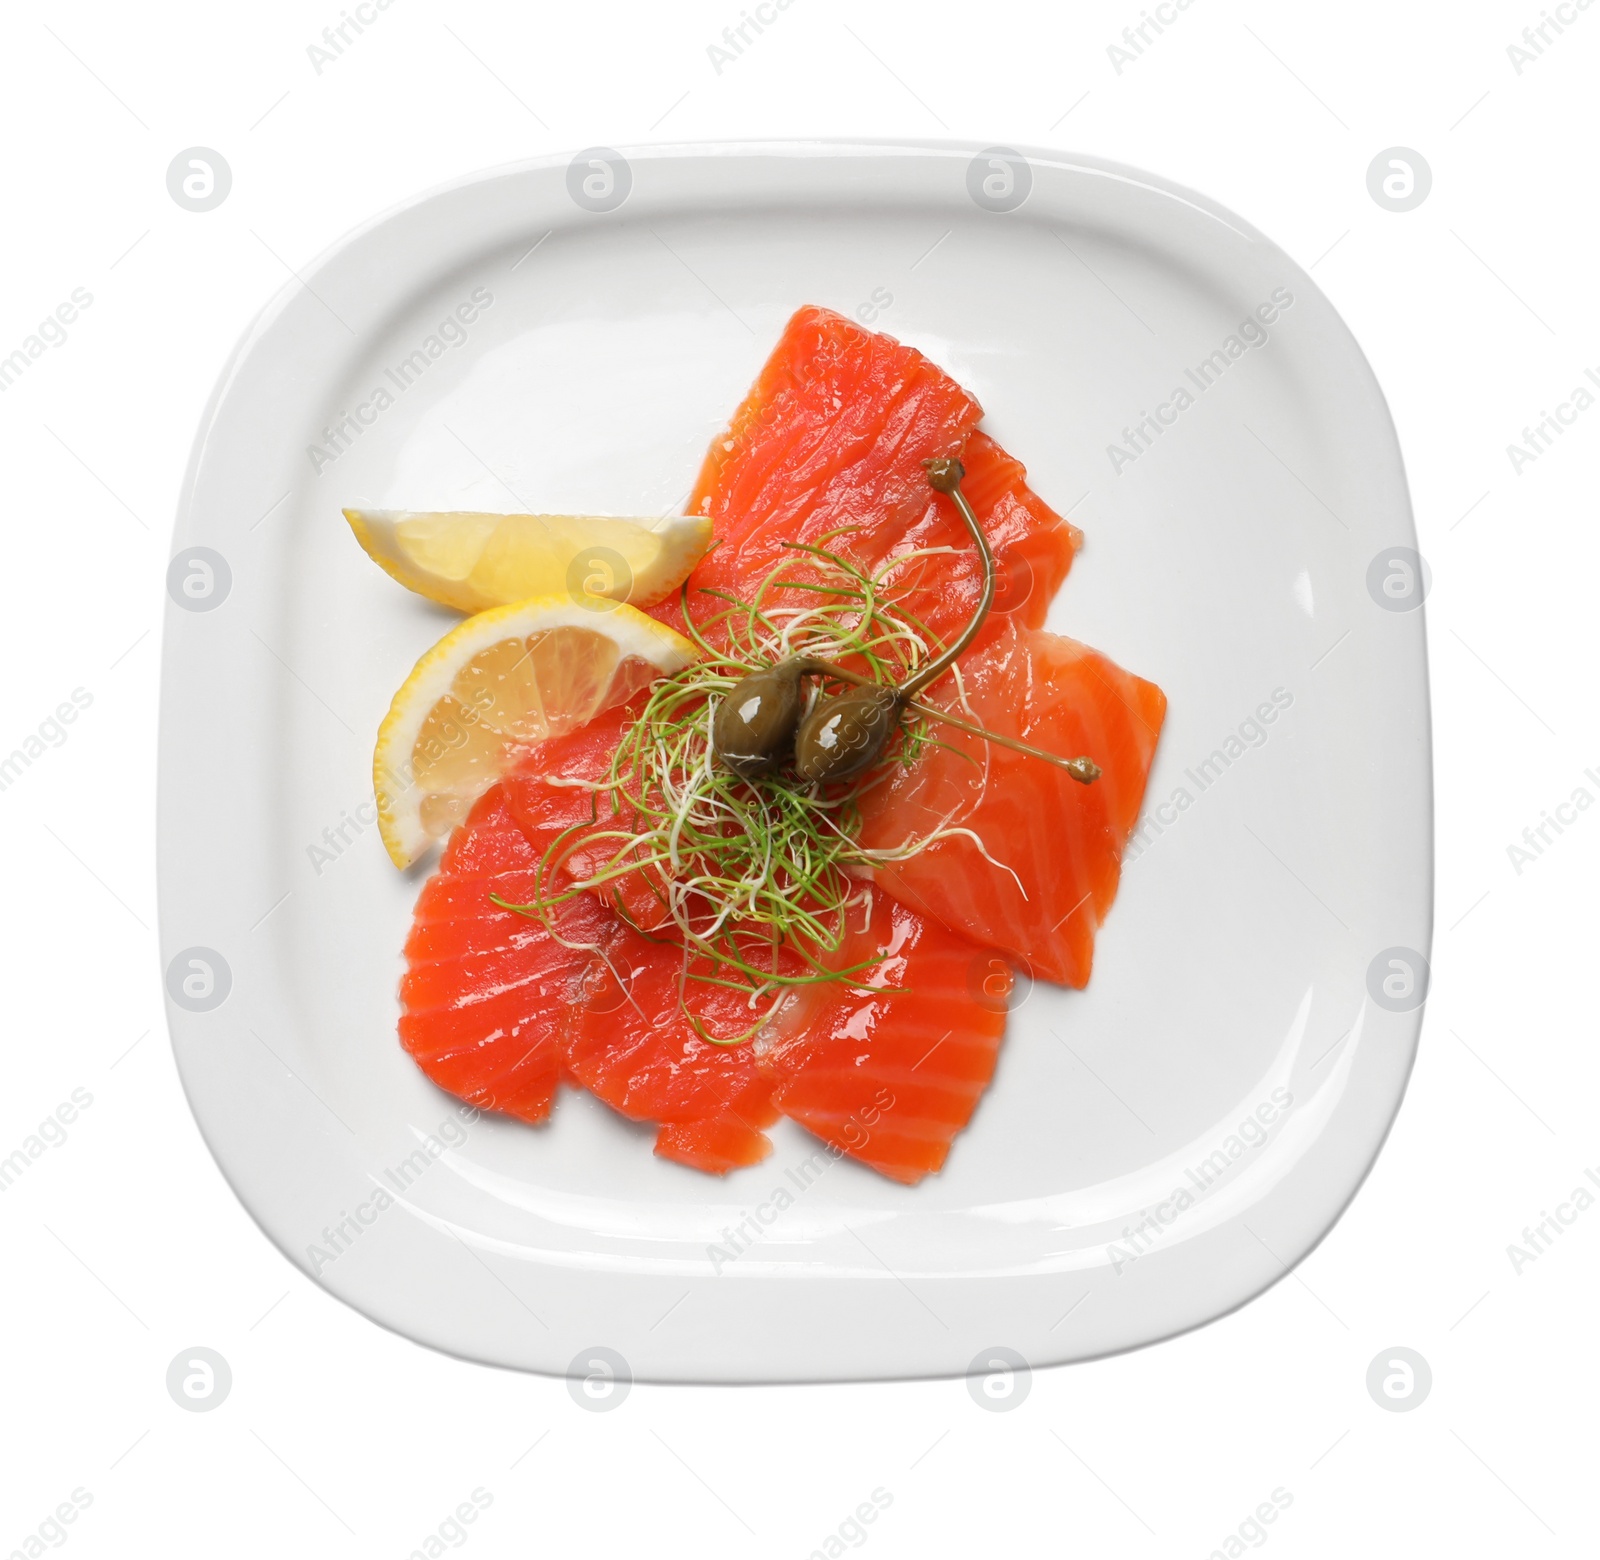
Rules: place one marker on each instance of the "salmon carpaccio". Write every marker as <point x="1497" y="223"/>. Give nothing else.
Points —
<point x="1058" y="843"/>
<point x="890" y="1074"/>
<point x="485" y="991"/>
<point x="829" y="444"/>
<point x="826" y="449"/>
<point x="836" y="1058"/>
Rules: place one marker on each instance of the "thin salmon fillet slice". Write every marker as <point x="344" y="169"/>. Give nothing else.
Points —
<point x="631" y="1044"/>
<point x="1033" y="547"/>
<point x="486" y="992"/>
<point x="576" y="827"/>
<point x="578" y="761"/>
<point x="628" y="1039"/>
<point x="833" y="434"/>
<point x="891" y="1074"/>
<point x="585" y="833"/>
<point x="1061" y="841"/>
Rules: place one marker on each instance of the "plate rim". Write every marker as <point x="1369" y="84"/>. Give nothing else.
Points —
<point x="837" y="149"/>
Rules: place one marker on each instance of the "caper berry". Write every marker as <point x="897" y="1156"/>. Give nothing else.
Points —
<point x="753" y="730"/>
<point x="841" y="736"/>
<point x="758" y="726"/>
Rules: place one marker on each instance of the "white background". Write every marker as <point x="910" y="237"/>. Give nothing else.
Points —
<point x="122" y="1245"/>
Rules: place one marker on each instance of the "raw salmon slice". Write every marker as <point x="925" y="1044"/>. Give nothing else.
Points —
<point x="890" y="1075"/>
<point x="628" y="1039"/>
<point x="1062" y="841"/>
<point x="887" y="1076"/>
<point x="486" y="992"/>
<point x="1033" y="547"/>
<point x="631" y="1044"/>
<point x="496" y="1010"/>
<point x="834" y="433"/>
<point x="548" y="811"/>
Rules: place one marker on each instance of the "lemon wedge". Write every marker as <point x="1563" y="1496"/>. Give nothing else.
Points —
<point x="501" y="680"/>
<point x="474" y="561"/>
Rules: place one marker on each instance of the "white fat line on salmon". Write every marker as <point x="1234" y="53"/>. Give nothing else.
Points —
<point x="1251" y="333"/>
<point x="1539" y="1238"/>
<point x="1136" y="40"/>
<point x="855" y="1134"/>
<point x="341" y="1234"/>
<point x="339" y="434"/>
<point x="1251" y="732"/>
<point x="1541" y="435"/>
<point x="1201" y="1178"/>
<point x="1536" y="838"/>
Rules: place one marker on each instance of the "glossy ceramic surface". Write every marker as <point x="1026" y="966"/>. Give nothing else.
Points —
<point x="1153" y="1151"/>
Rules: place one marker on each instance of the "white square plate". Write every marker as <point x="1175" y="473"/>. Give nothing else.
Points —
<point x="1153" y="1151"/>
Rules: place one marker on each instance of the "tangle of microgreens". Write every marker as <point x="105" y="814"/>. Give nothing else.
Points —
<point x="745" y="869"/>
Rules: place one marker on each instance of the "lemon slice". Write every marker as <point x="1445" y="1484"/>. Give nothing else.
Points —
<point x="501" y="680"/>
<point x="474" y="561"/>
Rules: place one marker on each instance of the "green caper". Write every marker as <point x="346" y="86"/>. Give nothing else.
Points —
<point x="841" y="736"/>
<point x="758" y="726"/>
<point x="753" y="729"/>
<point x="844" y="734"/>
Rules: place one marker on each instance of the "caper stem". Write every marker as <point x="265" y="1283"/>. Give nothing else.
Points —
<point x="1084" y="770"/>
<point x="752" y="751"/>
<point x="950" y="484"/>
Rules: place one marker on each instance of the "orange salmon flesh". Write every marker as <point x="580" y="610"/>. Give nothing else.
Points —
<point x="828" y="449"/>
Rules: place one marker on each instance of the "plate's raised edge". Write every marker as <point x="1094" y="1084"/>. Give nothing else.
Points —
<point x="827" y="148"/>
